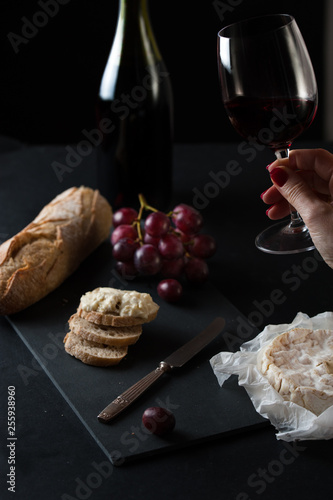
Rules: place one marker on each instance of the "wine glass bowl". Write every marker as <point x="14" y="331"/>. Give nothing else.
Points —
<point x="270" y="95"/>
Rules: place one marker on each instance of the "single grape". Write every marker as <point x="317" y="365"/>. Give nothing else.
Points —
<point x="126" y="269"/>
<point x="150" y="239"/>
<point x="179" y="210"/>
<point x="158" y="420"/>
<point x="187" y="219"/>
<point x="147" y="260"/>
<point x="196" y="270"/>
<point x="172" y="268"/>
<point x="124" y="215"/>
<point x="170" y="247"/>
<point x="124" y="249"/>
<point x="202" y="246"/>
<point x="170" y="290"/>
<point x="123" y="231"/>
<point x="157" y="224"/>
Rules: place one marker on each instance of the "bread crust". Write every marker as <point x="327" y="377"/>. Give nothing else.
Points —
<point x="40" y="257"/>
<point x="108" y="335"/>
<point x="112" y="319"/>
<point x="93" y="353"/>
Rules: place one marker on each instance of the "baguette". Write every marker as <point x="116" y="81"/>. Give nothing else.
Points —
<point x="93" y="353"/>
<point x="108" y="335"/>
<point x="41" y="256"/>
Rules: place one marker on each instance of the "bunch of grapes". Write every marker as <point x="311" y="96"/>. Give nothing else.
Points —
<point x="168" y="244"/>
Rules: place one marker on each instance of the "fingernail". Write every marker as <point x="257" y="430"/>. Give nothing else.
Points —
<point x="279" y="176"/>
<point x="268" y="209"/>
<point x="262" y="194"/>
<point x="269" y="165"/>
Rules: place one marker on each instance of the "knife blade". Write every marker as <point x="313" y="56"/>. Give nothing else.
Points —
<point x="176" y="360"/>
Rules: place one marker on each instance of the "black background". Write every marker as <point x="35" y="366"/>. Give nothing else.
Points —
<point x="48" y="87"/>
<point x="56" y="454"/>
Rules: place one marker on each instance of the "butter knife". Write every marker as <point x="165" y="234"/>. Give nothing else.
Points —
<point x="175" y="360"/>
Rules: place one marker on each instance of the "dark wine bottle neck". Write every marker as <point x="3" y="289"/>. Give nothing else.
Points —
<point x="134" y="28"/>
<point x="134" y="48"/>
<point x="132" y="11"/>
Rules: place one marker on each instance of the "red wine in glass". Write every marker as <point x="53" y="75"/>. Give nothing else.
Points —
<point x="273" y="122"/>
<point x="269" y="91"/>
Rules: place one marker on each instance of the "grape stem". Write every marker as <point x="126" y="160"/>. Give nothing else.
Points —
<point x="144" y="206"/>
<point x="137" y="222"/>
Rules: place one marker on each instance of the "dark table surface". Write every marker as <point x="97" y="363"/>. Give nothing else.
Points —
<point x="56" y="458"/>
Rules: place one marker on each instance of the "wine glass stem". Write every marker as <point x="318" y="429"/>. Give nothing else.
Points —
<point x="296" y="222"/>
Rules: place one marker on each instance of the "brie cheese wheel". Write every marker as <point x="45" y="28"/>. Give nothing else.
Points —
<point x="299" y="365"/>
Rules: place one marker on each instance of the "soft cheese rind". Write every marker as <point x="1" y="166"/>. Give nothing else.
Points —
<point x="299" y="365"/>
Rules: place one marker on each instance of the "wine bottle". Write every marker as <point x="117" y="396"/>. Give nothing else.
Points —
<point x="135" y="114"/>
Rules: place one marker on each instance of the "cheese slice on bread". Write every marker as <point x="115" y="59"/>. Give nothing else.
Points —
<point x="113" y="307"/>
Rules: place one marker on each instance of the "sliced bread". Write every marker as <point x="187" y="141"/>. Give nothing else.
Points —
<point x="113" y="319"/>
<point x="93" y="353"/>
<point x="108" y="335"/>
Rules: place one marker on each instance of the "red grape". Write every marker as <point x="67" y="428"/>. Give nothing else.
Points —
<point x="147" y="260"/>
<point x="123" y="231"/>
<point x="187" y="219"/>
<point x="126" y="269"/>
<point x="173" y="268"/>
<point x="158" y="420"/>
<point x="196" y="270"/>
<point x="124" y="215"/>
<point x="202" y="246"/>
<point x="151" y="239"/>
<point x="124" y="249"/>
<point x="170" y="247"/>
<point x="168" y="244"/>
<point x="170" y="290"/>
<point x="157" y="224"/>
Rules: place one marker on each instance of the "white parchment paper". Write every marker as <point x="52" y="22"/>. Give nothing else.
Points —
<point x="290" y="420"/>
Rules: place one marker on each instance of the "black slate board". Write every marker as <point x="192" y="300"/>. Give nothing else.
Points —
<point x="202" y="409"/>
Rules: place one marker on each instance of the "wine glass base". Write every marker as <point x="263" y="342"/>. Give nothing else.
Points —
<point x="283" y="238"/>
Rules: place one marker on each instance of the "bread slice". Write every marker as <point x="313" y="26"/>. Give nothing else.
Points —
<point x="93" y="353"/>
<point x="112" y="319"/>
<point x="109" y="335"/>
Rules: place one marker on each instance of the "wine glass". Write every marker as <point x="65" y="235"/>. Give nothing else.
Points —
<point x="269" y="92"/>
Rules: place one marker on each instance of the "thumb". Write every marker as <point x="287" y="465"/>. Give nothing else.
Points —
<point x="297" y="192"/>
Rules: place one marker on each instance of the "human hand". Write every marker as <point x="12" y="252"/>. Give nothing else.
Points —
<point x="305" y="181"/>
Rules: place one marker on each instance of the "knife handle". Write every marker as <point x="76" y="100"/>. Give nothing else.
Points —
<point x="130" y="395"/>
